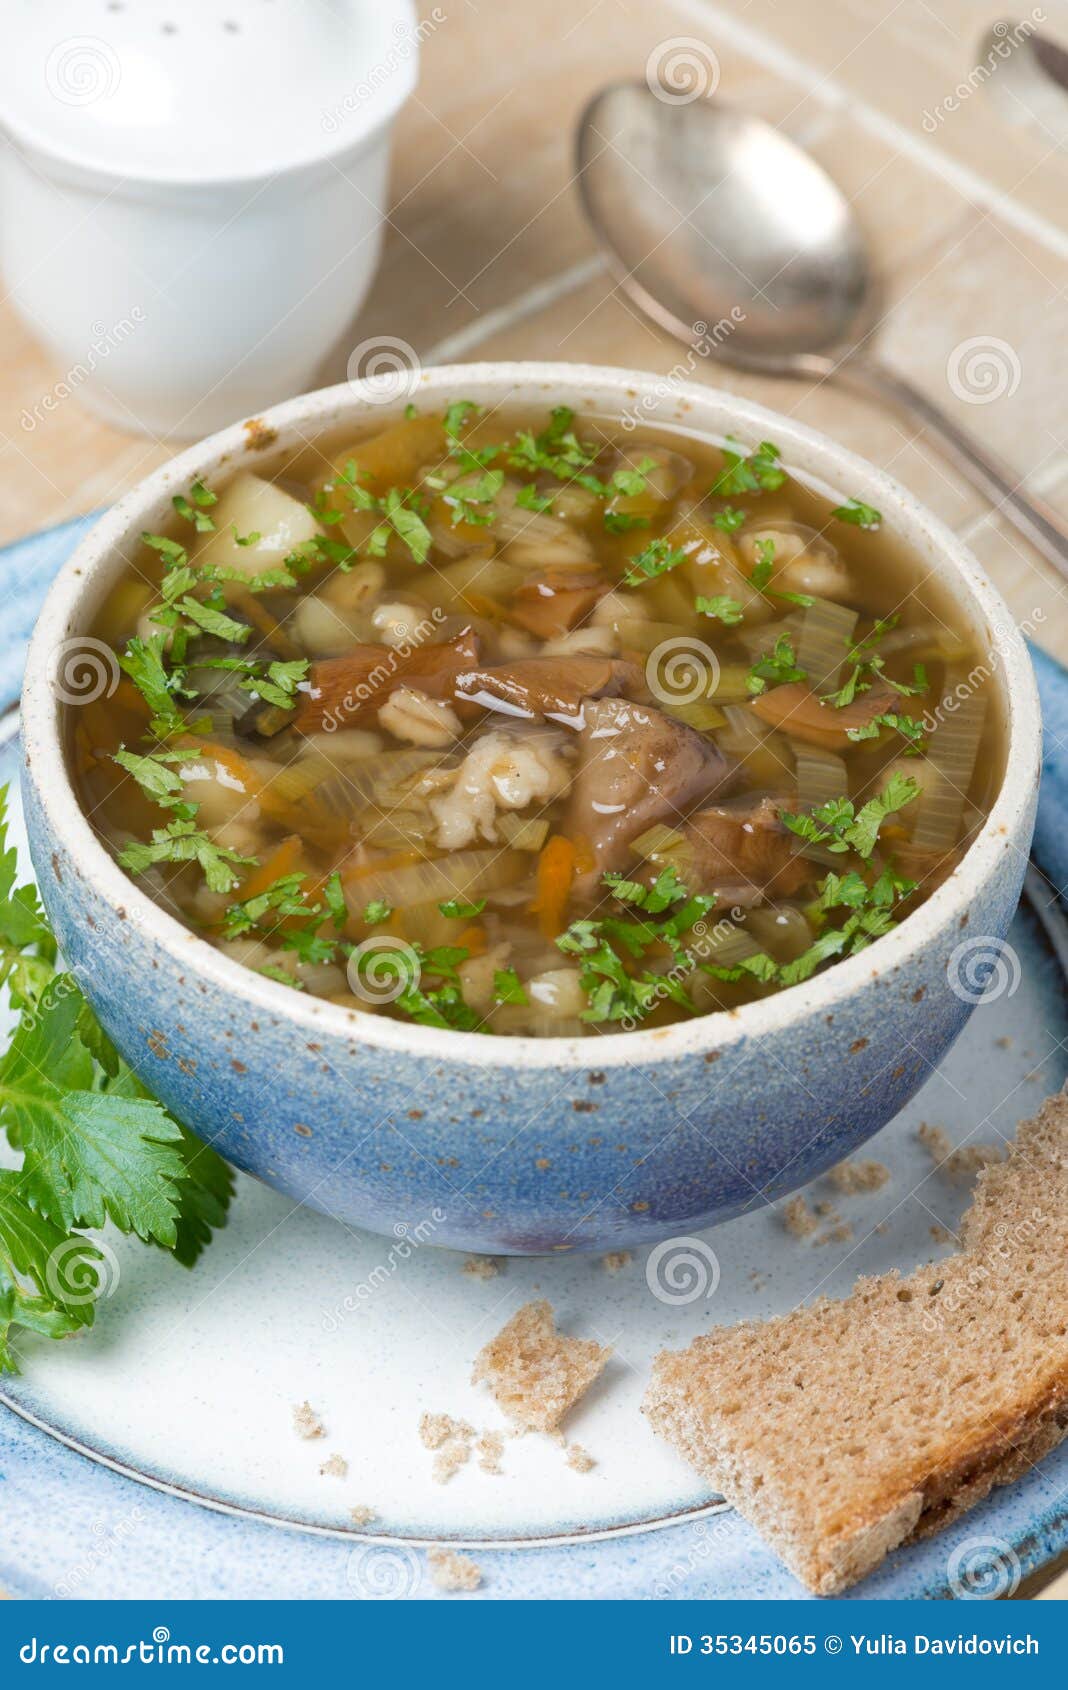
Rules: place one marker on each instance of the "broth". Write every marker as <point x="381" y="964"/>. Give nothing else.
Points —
<point x="525" y="724"/>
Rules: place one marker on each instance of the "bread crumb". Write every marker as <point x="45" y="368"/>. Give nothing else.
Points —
<point x="490" y="1449"/>
<point x="535" y="1373"/>
<point x="453" y="1455"/>
<point x="967" y="1161"/>
<point x="579" y="1459"/>
<point x="958" y="1164"/>
<point x="482" y="1267"/>
<point x="941" y="1234"/>
<point x="1004" y="1043"/>
<point x="361" y="1515"/>
<point x="334" y="1467"/>
<point x="935" y="1140"/>
<point x="451" y="1571"/>
<point x="437" y="1429"/>
<point x="798" y="1218"/>
<point x="840" y="1233"/>
<point x="851" y="1177"/>
<point x="306" y="1422"/>
<point x="616" y="1261"/>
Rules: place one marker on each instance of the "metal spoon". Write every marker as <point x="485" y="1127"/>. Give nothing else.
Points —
<point x="711" y="217"/>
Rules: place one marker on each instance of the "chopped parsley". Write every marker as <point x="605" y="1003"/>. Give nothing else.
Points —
<point x="458" y="909"/>
<point x="907" y="726"/>
<point x="529" y="499"/>
<point x="507" y="987"/>
<point x="194" y="507"/>
<point x="607" y="949"/>
<point x="840" y="827"/>
<point x="722" y="607"/>
<point x="761" y="575"/>
<point x="654" y="559"/>
<point x="729" y="519"/>
<point x="181" y="841"/>
<point x="779" y="666"/>
<point x="760" y="472"/>
<point x="858" y="513"/>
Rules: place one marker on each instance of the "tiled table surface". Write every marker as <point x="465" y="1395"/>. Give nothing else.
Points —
<point x="486" y="253"/>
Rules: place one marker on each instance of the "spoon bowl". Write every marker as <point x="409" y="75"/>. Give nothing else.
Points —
<point x="709" y="215"/>
<point x="730" y="237"/>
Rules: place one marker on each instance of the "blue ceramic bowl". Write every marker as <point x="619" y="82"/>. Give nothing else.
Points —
<point x="507" y="1144"/>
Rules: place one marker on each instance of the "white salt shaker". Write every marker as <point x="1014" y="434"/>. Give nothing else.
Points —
<point x="193" y="192"/>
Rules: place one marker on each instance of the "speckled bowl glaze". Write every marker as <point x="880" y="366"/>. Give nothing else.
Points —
<point x="523" y="1145"/>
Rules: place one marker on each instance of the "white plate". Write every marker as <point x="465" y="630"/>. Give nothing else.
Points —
<point x="189" y="1380"/>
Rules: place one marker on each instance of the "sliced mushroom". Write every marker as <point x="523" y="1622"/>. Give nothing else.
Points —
<point x="552" y="604"/>
<point x="345" y="692"/>
<point x="743" y="852"/>
<point x="804" y="715"/>
<point x="557" y="688"/>
<point x="638" y="767"/>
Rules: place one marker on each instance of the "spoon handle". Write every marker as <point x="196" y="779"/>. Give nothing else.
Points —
<point x="1047" y="531"/>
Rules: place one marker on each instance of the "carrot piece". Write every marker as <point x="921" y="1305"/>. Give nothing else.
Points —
<point x="282" y="861"/>
<point x="233" y="762"/>
<point x="473" y="939"/>
<point x="585" y="856"/>
<point x="556" y="869"/>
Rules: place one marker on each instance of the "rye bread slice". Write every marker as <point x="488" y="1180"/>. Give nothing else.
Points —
<point x="850" y="1427"/>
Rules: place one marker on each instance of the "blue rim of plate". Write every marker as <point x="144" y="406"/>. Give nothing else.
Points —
<point x="187" y="1545"/>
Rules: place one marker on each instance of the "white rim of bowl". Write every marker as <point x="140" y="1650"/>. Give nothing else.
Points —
<point x="597" y="390"/>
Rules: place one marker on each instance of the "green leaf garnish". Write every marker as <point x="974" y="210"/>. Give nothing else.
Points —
<point x="654" y="559"/>
<point x="94" y="1146"/>
<point x="858" y="513"/>
<point x="760" y="472"/>
<point x="779" y="666"/>
<point x="458" y="909"/>
<point x="724" y="609"/>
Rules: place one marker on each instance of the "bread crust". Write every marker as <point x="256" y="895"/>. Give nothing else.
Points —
<point x="850" y="1427"/>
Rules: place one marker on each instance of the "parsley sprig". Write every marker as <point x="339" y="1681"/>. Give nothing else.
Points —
<point x="94" y="1145"/>
<point x="841" y="827"/>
